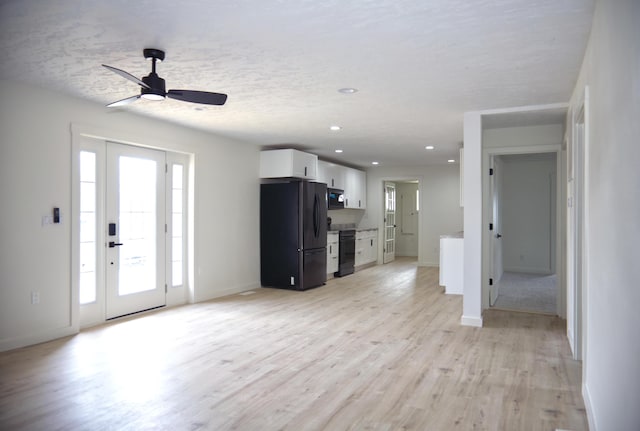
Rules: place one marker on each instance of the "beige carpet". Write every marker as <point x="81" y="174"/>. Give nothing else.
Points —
<point x="527" y="292"/>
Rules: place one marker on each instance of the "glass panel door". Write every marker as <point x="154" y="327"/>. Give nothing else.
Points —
<point x="389" y="222"/>
<point x="135" y="230"/>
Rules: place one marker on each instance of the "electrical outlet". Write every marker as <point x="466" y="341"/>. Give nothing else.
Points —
<point x="35" y="298"/>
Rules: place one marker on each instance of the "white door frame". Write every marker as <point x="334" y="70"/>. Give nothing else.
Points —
<point x="421" y="231"/>
<point x="495" y="265"/>
<point x="487" y="250"/>
<point x="577" y="220"/>
<point x="93" y="138"/>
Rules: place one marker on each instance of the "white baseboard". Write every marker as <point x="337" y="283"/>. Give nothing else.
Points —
<point x="231" y="291"/>
<point x="40" y="337"/>
<point x="588" y="407"/>
<point x="471" y="321"/>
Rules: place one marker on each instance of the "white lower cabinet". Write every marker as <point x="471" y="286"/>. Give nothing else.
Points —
<point x="332" y="252"/>
<point x="451" y="263"/>
<point x="366" y="247"/>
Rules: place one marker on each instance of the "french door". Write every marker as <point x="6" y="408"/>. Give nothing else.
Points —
<point x="389" y="222"/>
<point x="135" y="234"/>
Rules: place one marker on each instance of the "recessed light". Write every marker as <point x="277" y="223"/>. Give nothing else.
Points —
<point x="375" y="163"/>
<point x="451" y="161"/>
<point x="429" y="147"/>
<point x="335" y="128"/>
<point x="348" y="90"/>
<point x="338" y="151"/>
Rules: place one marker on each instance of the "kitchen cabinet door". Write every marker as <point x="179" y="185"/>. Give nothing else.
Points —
<point x="288" y="163"/>
<point x="355" y="189"/>
<point x="331" y="174"/>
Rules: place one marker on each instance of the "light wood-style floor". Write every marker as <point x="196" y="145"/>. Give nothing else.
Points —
<point x="378" y="350"/>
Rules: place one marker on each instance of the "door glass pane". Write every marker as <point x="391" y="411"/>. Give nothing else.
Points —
<point x="137" y="216"/>
<point x="87" y="281"/>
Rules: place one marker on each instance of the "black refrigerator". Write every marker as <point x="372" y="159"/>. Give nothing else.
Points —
<point x="293" y="235"/>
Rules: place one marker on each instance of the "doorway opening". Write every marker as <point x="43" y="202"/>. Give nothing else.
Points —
<point x="401" y="219"/>
<point x="524" y="232"/>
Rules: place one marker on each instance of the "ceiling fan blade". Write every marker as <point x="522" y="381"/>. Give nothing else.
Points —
<point x="203" y="97"/>
<point x="123" y="101"/>
<point x="127" y="75"/>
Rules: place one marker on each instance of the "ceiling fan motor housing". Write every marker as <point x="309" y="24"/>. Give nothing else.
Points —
<point x="157" y="88"/>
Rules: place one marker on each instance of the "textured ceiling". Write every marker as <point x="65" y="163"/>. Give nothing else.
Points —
<point x="418" y="64"/>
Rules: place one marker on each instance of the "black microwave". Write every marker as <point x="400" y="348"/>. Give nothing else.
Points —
<point x="335" y="198"/>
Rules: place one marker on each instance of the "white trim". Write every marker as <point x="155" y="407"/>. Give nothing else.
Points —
<point x="588" y="406"/>
<point x="232" y="291"/>
<point x="531" y="108"/>
<point x="471" y="321"/>
<point x="40" y="337"/>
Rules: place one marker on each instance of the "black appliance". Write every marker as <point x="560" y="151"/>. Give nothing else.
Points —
<point x="293" y="235"/>
<point x="346" y="253"/>
<point x="335" y="198"/>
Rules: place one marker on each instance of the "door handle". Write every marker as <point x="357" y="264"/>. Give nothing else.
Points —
<point x="498" y="236"/>
<point x="114" y="244"/>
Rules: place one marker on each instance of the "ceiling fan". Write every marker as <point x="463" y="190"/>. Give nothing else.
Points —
<point x="153" y="87"/>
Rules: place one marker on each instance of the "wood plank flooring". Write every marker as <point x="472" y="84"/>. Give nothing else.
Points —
<point x="381" y="349"/>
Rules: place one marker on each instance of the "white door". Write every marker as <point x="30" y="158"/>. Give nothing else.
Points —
<point x="389" y="222"/>
<point x="575" y="233"/>
<point x="135" y="237"/>
<point x="496" y="242"/>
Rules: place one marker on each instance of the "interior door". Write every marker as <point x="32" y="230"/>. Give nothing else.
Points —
<point x="135" y="238"/>
<point x="575" y="234"/>
<point x="389" y="222"/>
<point x="496" y="268"/>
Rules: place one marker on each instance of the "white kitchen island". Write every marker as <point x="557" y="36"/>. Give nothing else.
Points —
<point x="451" y="263"/>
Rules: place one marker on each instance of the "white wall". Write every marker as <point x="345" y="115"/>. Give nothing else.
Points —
<point x="611" y="70"/>
<point x="525" y="136"/>
<point x="528" y="213"/>
<point x="440" y="211"/>
<point x="35" y="173"/>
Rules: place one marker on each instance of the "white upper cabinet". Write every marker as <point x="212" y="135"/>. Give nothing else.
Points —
<point x="288" y="163"/>
<point x="331" y="174"/>
<point x="355" y="189"/>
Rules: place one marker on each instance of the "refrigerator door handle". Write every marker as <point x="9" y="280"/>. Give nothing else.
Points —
<point x="316" y="216"/>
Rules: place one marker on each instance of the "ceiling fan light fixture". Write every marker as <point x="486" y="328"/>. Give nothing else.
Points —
<point x="151" y="96"/>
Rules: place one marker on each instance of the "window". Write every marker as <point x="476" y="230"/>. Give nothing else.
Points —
<point x="177" y="225"/>
<point x="87" y="227"/>
<point x="417" y="199"/>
